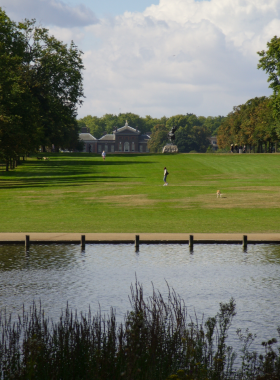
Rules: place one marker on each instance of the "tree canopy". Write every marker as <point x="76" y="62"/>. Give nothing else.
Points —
<point x="40" y="88"/>
<point x="270" y="63"/>
<point x="106" y="124"/>
<point x="250" y="124"/>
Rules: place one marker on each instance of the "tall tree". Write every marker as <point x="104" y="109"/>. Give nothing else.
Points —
<point x="40" y="88"/>
<point x="54" y="75"/>
<point x="250" y="124"/>
<point x="158" y="138"/>
<point x="19" y="111"/>
<point x="270" y="63"/>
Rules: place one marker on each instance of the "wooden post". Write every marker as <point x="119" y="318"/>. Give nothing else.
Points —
<point x="83" y="242"/>
<point x="244" y="241"/>
<point x="137" y="242"/>
<point x="191" y="241"/>
<point x="27" y="242"/>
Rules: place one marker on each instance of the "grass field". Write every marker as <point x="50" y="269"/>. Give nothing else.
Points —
<point x="81" y="193"/>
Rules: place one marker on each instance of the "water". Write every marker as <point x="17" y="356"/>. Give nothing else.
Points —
<point x="102" y="275"/>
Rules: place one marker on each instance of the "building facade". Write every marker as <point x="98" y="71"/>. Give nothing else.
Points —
<point x="123" y="140"/>
<point x="213" y="142"/>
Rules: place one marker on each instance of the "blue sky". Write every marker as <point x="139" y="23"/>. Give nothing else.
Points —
<point x="165" y="57"/>
<point x="114" y="7"/>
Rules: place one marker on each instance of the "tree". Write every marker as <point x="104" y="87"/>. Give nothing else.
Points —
<point x="158" y="139"/>
<point x="40" y="89"/>
<point x="95" y="125"/>
<point x="53" y="73"/>
<point x="250" y="124"/>
<point x="194" y="138"/>
<point x="150" y="122"/>
<point x="270" y="63"/>
<point x="212" y="123"/>
<point x="19" y="111"/>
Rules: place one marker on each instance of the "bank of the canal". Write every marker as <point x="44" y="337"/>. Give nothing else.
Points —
<point x="144" y="238"/>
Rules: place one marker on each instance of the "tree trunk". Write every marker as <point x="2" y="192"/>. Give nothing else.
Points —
<point x="7" y="165"/>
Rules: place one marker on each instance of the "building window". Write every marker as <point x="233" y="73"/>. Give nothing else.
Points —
<point x="147" y="149"/>
<point x="132" y="147"/>
<point x="106" y="148"/>
<point x="112" y="148"/>
<point x="141" y="148"/>
<point x="99" y="148"/>
<point x="120" y="146"/>
<point x="126" y="146"/>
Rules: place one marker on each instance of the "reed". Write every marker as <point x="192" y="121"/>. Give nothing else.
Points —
<point x="156" y="340"/>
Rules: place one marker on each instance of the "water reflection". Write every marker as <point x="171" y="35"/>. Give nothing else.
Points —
<point x="102" y="274"/>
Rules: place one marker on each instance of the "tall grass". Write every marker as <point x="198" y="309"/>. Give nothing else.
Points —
<point x="156" y="340"/>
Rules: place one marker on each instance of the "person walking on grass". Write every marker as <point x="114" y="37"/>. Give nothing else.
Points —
<point x="103" y="155"/>
<point x="165" y="174"/>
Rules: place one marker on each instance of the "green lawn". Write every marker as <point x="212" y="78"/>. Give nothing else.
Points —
<point x="81" y="193"/>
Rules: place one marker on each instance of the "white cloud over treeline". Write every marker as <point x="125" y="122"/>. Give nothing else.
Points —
<point x="176" y="57"/>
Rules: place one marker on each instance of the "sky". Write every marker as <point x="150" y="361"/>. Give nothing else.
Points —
<point x="162" y="57"/>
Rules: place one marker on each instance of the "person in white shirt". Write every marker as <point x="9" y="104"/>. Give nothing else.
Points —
<point x="103" y="155"/>
<point x="165" y="174"/>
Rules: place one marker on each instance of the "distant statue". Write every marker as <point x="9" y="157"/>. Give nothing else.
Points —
<point x="171" y="148"/>
<point x="171" y="134"/>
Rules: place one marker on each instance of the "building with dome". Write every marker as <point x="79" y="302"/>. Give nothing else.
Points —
<point x="123" y="140"/>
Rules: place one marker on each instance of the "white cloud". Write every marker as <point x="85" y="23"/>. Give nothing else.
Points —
<point x="50" y="12"/>
<point x="180" y="56"/>
<point x="176" y="57"/>
<point x="67" y="35"/>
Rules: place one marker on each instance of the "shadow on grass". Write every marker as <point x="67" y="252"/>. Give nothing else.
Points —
<point x="63" y="181"/>
<point x="66" y="173"/>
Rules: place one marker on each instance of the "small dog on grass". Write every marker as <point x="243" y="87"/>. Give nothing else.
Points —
<point x="219" y="194"/>
<point x="39" y="158"/>
<point x="46" y="158"/>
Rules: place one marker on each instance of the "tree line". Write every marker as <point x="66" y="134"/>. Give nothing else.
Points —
<point x="255" y="124"/>
<point x="251" y="125"/>
<point x="40" y="89"/>
<point x="192" y="131"/>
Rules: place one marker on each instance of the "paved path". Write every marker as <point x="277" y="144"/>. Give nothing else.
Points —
<point x="38" y="237"/>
